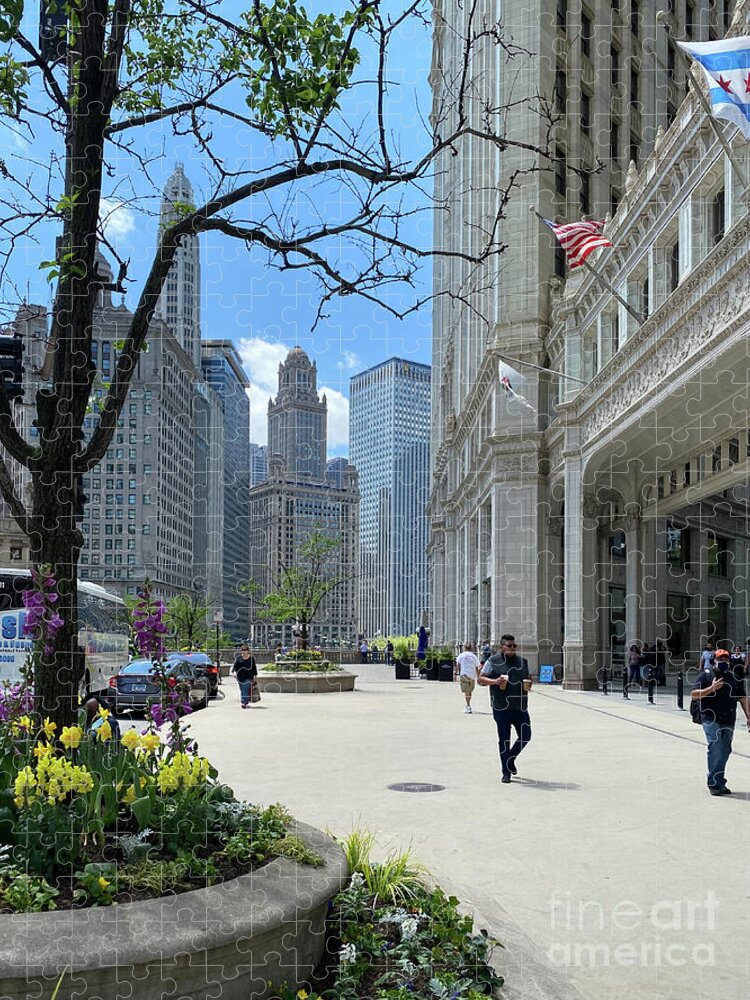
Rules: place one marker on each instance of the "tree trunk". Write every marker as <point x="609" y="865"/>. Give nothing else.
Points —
<point x="56" y="542"/>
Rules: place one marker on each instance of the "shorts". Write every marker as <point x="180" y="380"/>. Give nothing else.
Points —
<point x="467" y="683"/>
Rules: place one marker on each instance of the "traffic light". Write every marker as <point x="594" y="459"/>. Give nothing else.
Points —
<point x="11" y="366"/>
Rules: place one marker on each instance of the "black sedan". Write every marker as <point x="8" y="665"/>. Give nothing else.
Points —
<point x="136" y="684"/>
<point x="204" y="665"/>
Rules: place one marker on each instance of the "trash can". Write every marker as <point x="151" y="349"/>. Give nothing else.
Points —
<point x="403" y="671"/>
<point x="446" y="672"/>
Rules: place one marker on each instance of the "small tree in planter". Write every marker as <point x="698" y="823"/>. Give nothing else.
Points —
<point x="302" y="588"/>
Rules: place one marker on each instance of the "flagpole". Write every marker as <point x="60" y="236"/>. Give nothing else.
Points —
<point x="698" y="80"/>
<point x="529" y="364"/>
<point x="601" y="279"/>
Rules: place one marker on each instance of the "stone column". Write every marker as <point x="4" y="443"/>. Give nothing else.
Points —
<point x="633" y="579"/>
<point x="581" y="598"/>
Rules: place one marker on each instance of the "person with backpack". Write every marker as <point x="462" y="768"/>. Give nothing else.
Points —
<point x="713" y="703"/>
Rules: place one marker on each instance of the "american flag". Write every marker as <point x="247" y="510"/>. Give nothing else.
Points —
<point x="578" y="239"/>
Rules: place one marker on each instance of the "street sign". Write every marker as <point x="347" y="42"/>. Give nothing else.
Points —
<point x="218" y="616"/>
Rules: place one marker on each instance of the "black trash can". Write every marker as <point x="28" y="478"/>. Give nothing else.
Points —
<point x="431" y="671"/>
<point x="403" y="671"/>
<point x="446" y="672"/>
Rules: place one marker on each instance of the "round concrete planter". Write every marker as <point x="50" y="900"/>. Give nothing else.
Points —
<point x="319" y="682"/>
<point x="225" y="941"/>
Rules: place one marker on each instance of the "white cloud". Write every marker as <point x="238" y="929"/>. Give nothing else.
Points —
<point x="338" y="420"/>
<point x="117" y="219"/>
<point x="350" y="360"/>
<point x="261" y="360"/>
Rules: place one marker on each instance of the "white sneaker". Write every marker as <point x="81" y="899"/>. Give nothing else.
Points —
<point x="467" y="710"/>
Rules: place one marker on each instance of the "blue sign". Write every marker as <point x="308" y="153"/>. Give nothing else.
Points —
<point x="547" y="673"/>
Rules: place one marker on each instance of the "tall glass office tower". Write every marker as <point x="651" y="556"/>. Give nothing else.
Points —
<point x="389" y="444"/>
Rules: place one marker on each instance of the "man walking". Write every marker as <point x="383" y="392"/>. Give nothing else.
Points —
<point x="507" y="676"/>
<point x="245" y="670"/>
<point x="467" y="665"/>
<point x="719" y="688"/>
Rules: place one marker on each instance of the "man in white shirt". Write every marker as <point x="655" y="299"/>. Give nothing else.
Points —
<point x="466" y="669"/>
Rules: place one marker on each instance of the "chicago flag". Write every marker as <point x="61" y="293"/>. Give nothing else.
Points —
<point x="726" y="65"/>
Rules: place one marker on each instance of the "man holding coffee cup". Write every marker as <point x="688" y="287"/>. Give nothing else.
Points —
<point x="507" y="676"/>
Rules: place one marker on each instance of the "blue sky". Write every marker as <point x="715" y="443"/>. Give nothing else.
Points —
<point x="264" y="312"/>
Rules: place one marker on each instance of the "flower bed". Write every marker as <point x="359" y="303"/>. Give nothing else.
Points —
<point x="393" y="937"/>
<point x="90" y="820"/>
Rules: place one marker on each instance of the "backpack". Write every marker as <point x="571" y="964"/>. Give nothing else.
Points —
<point x="695" y="708"/>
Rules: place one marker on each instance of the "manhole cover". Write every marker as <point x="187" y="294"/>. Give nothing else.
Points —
<point x="415" y="786"/>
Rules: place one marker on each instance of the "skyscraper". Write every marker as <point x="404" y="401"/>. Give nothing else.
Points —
<point x="611" y="79"/>
<point x="299" y="499"/>
<point x="223" y="371"/>
<point x="258" y="463"/>
<point x="179" y="302"/>
<point x="297" y="418"/>
<point x="389" y="441"/>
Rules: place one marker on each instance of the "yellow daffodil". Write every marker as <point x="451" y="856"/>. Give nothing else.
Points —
<point x="25" y="787"/>
<point x="129" y="796"/>
<point x="131" y="739"/>
<point x="71" y="737"/>
<point x="104" y="713"/>
<point x="302" y="994"/>
<point x="104" y="732"/>
<point x="150" y="742"/>
<point x="42" y="750"/>
<point x="49" y="728"/>
<point x="103" y="883"/>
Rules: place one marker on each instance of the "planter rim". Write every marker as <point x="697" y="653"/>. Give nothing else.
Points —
<point x="139" y="933"/>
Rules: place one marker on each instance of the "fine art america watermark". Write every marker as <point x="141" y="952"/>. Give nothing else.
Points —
<point x="673" y="932"/>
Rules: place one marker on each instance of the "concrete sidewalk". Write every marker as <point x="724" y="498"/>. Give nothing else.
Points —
<point x="606" y="866"/>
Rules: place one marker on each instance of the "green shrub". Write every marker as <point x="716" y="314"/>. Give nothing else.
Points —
<point x="25" y="893"/>
<point x="301" y="667"/>
<point x="396" y="878"/>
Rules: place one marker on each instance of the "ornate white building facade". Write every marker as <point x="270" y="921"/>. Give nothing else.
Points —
<point x="610" y="510"/>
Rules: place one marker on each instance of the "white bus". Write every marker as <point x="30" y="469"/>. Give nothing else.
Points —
<point x="102" y="630"/>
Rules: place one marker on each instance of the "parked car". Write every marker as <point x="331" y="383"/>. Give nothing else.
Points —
<point x="204" y="665"/>
<point x="136" y="685"/>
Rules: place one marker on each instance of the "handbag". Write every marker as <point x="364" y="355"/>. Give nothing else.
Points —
<point x="254" y="693"/>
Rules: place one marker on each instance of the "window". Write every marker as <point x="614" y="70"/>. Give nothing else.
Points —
<point x="635" y="16"/>
<point x="561" y="91"/>
<point x="677" y="623"/>
<point x="562" y="14"/>
<point x="689" y="18"/>
<point x="561" y="174"/>
<point x="644" y="297"/>
<point x="674" y="266"/>
<point x="585" y="112"/>
<point x="717" y="217"/>
<point x="635" y="87"/>
<point x="586" y="34"/>
<point x="634" y="149"/>
<point x="586" y="194"/>
<point x="677" y="544"/>
<point x="617" y="545"/>
<point x="717" y="555"/>
<point x="615" y="197"/>
<point x="614" y="145"/>
<point x="561" y="264"/>
<point x="614" y="66"/>
<point x="734" y="451"/>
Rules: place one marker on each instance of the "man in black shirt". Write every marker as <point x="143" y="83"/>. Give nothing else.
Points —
<point x="719" y="689"/>
<point x="507" y="676"/>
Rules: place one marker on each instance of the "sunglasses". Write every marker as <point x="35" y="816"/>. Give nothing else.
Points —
<point x="510" y="645"/>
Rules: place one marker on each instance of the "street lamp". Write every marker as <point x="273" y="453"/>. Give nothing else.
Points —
<point x="218" y="621"/>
